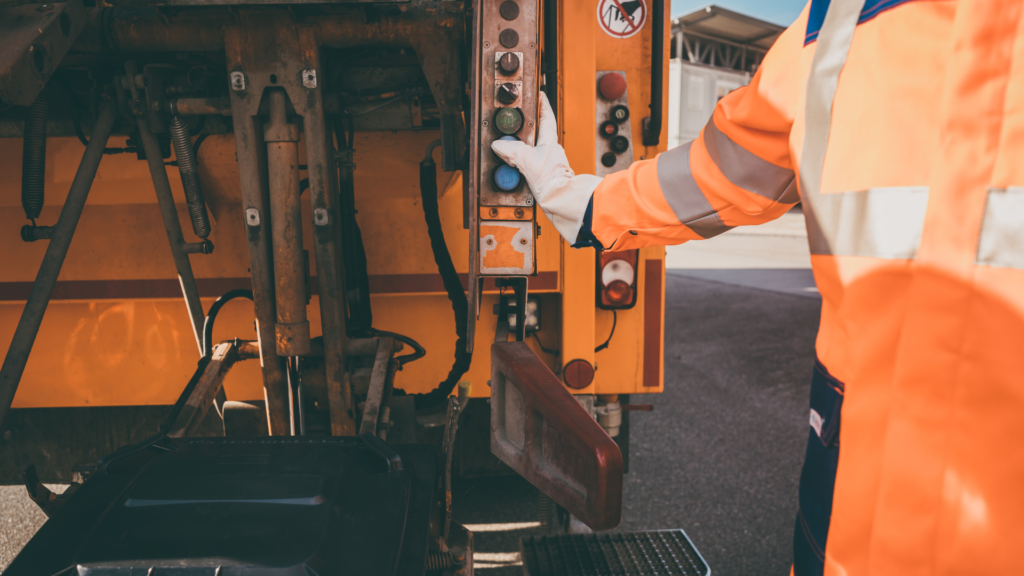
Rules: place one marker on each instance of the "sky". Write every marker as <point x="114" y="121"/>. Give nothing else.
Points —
<point x="781" y="12"/>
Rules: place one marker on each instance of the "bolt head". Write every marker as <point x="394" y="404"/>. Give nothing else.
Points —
<point x="519" y="212"/>
<point x="493" y="212"/>
<point x="524" y="241"/>
<point x="237" y="81"/>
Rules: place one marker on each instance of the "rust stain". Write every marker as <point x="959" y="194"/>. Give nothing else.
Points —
<point x="504" y="253"/>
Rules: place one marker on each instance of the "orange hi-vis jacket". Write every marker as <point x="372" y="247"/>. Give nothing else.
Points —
<point x="901" y="125"/>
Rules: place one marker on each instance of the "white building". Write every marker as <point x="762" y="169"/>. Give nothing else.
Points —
<point x="714" y="51"/>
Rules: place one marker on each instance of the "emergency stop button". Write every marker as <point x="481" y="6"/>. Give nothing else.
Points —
<point x="612" y="86"/>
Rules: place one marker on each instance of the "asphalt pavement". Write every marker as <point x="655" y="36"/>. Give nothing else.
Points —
<point x="720" y="455"/>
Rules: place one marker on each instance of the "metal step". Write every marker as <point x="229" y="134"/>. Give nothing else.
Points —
<point x="652" y="553"/>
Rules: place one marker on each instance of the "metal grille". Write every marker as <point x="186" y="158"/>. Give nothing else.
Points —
<point x="654" y="553"/>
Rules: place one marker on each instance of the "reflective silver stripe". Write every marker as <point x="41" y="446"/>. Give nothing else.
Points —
<point x="1001" y="243"/>
<point x="746" y="169"/>
<point x="882" y="222"/>
<point x="879" y="222"/>
<point x="684" y="195"/>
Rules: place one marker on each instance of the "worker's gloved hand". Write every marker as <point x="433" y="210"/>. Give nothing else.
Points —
<point x="562" y="194"/>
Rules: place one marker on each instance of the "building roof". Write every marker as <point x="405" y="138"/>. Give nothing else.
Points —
<point x="722" y="24"/>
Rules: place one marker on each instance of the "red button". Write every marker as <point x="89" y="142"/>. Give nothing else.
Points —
<point x="612" y="86"/>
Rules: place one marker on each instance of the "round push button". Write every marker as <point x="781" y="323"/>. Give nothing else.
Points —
<point x="620" y="144"/>
<point x="609" y="129"/>
<point x="608" y="159"/>
<point x="509" y="10"/>
<point x="508" y="120"/>
<point x="612" y="86"/>
<point x="620" y="113"/>
<point x="507" y="178"/>
<point x="509" y="38"/>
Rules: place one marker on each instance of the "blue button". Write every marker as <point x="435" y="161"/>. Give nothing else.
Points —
<point x="507" y="178"/>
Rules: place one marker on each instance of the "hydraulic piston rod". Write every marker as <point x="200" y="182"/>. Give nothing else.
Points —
<point x="53" y="260"/>
<point x="282" y="138"/>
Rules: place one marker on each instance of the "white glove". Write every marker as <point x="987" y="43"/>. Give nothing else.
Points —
<point x="561" y="194"/>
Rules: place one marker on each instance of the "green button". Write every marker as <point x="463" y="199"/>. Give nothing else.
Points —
<point x="508" y="120"/>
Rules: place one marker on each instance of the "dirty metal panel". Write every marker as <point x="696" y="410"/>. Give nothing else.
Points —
<point x="542" y="433"/>
<point x="604" y="108"/>
<point x="33" y="40"/>
<point x="507" y="248"/>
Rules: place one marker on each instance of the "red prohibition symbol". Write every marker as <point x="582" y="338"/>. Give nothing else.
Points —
<point x="621" y="18"/>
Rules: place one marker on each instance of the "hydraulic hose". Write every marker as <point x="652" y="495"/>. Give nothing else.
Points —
<point x="452" y="284"/>
<point x="33" y="160"/>
<point x="189" y="170"/>
<point x="211" y="316"/>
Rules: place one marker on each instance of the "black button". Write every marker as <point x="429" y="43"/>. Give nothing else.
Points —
<point x="508" y="63"/>
<point x="508" y="93"/>
<point x="608" y="159"/>
<point x="609" y="129"/>
<point x="620" y="144"/>
<point x="509" y="10"/>
<point x="620" y="113"/>
<point x="509" y="38"/>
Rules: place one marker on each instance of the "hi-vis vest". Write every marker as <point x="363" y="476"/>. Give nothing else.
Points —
<point x="900" y="126"/>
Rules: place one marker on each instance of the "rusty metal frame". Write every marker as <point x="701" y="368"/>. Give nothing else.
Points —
<point x="33" y="40"/>
<point x="382" y="377"/>
<point x="268" y="50"/>
<point x="208" y="391"/>
<point x="545" y="435"/>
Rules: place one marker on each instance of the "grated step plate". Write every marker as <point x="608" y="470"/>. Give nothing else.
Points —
<point x="653" y="553"/>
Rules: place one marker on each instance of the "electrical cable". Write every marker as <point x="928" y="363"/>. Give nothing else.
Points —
<point x="615" y="320"/>
<point x="418" y="350"/>
<point x="211" y="316"/>
<point x="552" y="351"/>
<point x="450" y="278"/>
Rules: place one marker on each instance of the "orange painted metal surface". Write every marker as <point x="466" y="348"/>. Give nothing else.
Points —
<point x="117" y="332"/>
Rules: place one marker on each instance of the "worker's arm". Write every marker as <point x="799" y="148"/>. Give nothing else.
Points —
<point x="737" y="172"/>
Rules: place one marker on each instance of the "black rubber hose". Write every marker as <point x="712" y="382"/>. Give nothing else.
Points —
<point x="189" y="170"/>
<point x="211" y="316"/>
<point x="33" y="159"/>
<point x="452" y="284"/>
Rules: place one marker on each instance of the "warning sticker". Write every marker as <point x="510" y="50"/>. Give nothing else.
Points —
<point x="621" y="18"/>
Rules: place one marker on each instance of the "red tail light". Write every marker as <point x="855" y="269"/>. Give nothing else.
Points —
<point x="616" y="279"/>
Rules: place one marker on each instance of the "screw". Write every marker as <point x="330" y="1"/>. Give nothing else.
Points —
<point x="487" y="44"/>
<point x="493" y="212"/>
<point x="490" y="241"/>
<point x="519" y="212"/>
<point x="524" y="242"/>
<point x="486" y="123"/>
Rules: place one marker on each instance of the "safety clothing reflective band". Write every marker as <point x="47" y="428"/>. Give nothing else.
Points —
<point x="683" y="194"/>
<point x="1001" y="243"/>
<point x="880" y="222"/>
<point x="748" y="170"/>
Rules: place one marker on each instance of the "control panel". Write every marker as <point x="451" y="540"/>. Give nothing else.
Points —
<point x="508" y="81"/>
<point x="615" y="135"/>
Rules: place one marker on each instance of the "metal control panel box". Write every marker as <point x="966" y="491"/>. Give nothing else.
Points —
<point x="507" y="77"/>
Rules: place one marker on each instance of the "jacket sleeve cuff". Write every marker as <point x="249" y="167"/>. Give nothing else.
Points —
<point x="586" y="238"/>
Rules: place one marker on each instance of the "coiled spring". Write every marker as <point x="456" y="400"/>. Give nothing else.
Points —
<point x="33" y="160"/>
<point x="189" y="170"/>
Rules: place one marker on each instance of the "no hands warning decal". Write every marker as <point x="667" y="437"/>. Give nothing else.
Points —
<point x="621" y="18"/>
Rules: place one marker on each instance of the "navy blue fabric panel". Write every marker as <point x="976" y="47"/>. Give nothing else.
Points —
<point x="818" y="477"/>
<point x="586" y="237"/>
<point x="816" y="17"/>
